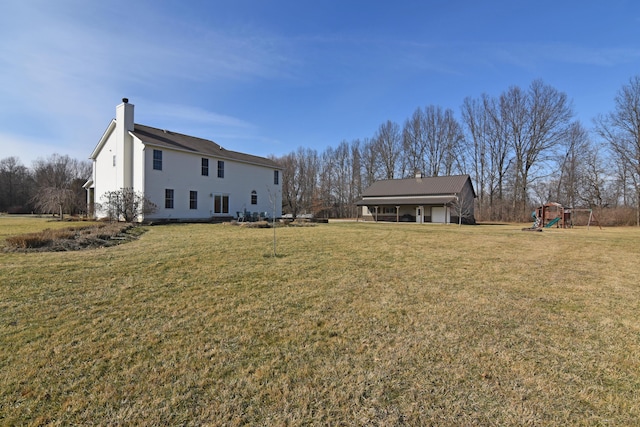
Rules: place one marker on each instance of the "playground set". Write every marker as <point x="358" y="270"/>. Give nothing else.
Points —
<point x="554" y="214"/>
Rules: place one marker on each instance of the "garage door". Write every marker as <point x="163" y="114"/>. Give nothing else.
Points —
<point x="440" y="214"/>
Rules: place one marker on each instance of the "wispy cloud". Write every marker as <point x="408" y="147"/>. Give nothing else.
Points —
<point x="176" y="112"/>
<point x="28" y="148"/>
<point x="530" y="54"/>
<point x="66" y="64"/>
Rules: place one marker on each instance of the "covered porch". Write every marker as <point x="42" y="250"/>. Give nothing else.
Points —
<point x="416" y="209"/>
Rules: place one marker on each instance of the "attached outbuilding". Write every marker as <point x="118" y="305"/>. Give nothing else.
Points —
<point x="438" y="199"/>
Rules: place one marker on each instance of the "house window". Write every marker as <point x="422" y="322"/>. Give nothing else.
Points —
<point x="276" y="177"/>
<point x="388" y="210"/>
<point x="220" y="169"/>
<point x="193" y="200"/>
<point x="114" y="160"/>
<point x="254" y="197"/>
<point x="205" y="167"/>
<point x="221" y="203"/>
<point x="157" y="160"/>
<point x="168" y="198"/>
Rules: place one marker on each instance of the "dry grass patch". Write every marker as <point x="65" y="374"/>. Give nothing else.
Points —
<point x="12" y="225"/>
<point x="353" y="324"/>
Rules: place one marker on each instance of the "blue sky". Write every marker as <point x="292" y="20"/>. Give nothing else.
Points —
<point x="266" y="77"/>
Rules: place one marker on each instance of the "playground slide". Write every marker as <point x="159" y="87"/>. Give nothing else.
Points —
<point x="552" y="222"/>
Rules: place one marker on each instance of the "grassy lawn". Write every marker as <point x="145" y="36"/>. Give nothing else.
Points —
<point x="351" y="324"/>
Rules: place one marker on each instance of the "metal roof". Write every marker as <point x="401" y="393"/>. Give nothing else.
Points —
<point x="177" y="141"/>
<point x="425" y="186"/>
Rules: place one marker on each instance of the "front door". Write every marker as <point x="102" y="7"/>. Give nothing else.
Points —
<point x="420" y="214"/>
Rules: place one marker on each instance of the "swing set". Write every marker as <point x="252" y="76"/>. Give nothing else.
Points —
<point x="554" y="214"/>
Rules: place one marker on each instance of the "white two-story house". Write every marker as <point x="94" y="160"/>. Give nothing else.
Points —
<point x="187" y="178"/>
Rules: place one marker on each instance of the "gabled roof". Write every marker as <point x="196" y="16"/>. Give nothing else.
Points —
<point x="426" y="186"/>
<point x="167" y="139"/>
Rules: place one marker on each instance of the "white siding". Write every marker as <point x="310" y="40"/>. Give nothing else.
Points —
<point x="138" y="165"/>
<point x="181" y="172"/>
<point x="106" y="175"/>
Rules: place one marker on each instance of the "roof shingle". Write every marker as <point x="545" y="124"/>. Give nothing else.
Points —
<point x="177" y="141"/>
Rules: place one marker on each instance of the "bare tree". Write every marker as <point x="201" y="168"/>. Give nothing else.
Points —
<point x="621" y="130"/>
<point x="291" y="186"/>
<point x="342" y="175"/>
<point x="52" y="200"/>
<point x="414" y="143"/>
<point x="592" y="184"/>
<point x="489" y="152"/>
<point x="56" y="180"/>
<point x="369" y="162"/>
<point x="326" y="176"/>
<point x="537" y="122"/>
<point x="127" y="205"/>
<point x="475" y="118"/>
<point x="443" y="137"/>
<point x="16" y="186"/>
<point x="388" y="144"/>
<point x="571" y="165"/>
<point x="356" y="189"/>
<point x="623" y="191"/>
<point x="309" y="165"/>
<point x="299" y="181"/>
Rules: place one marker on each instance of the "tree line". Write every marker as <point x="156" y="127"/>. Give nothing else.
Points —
<point x="52" y="185"/>
<point x="521" y="148"/>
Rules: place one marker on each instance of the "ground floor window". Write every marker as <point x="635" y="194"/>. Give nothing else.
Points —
<point x="193" y="200"/>
<point x="254" y="197"/>
<point x="221" y="203"/>
<point x="388" y="210"/>
<point x="168" y="198"/>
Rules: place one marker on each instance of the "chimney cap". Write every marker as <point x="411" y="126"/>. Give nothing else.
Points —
<point x="125" y="100"/>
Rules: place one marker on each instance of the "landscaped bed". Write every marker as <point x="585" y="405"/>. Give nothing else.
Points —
<point x="73" y="238"/>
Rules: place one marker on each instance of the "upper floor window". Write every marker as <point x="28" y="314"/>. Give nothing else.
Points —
<point x="276" y="177"/>
<point x="193" y="200"/>
<point x="168" y="198"/>
<point x="254" y="197"/>
<point x="220" y="169"/>
<point x="205" y="167"/>
<point x="157" y="160"/>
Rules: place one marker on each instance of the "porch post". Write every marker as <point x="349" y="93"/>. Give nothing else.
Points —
<point x="397" y="213"/>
